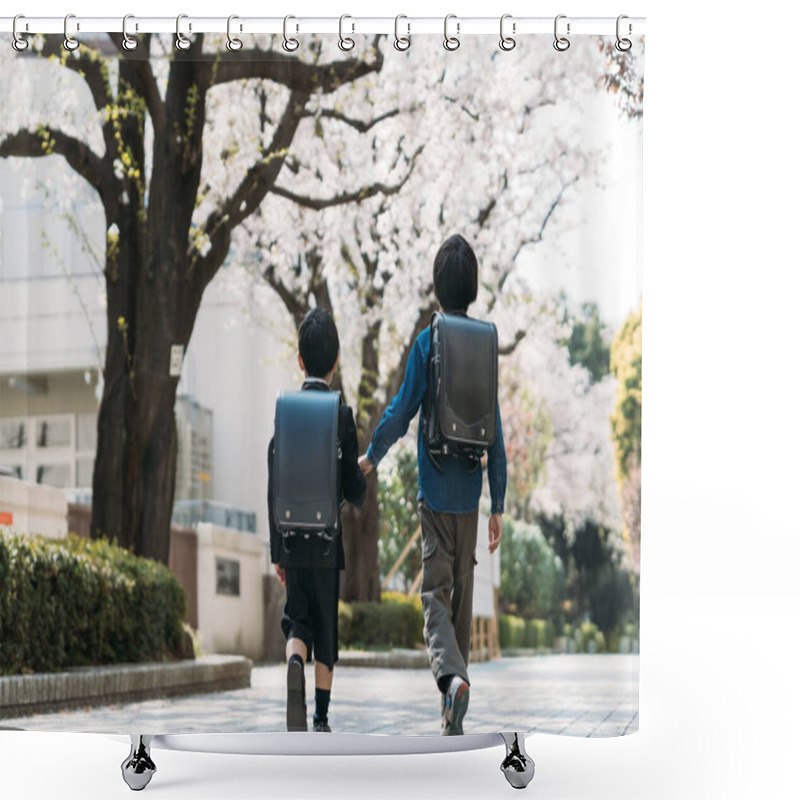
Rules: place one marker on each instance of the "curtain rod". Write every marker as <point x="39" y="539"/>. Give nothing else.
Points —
<point x="461" y="26"/>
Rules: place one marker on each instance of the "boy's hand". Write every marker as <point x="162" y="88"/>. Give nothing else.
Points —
<point x="495" y="531"/>
<point x="364" y="464"/>
<point x="281" y="573"/>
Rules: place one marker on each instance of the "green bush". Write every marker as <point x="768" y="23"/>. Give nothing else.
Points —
<point x="511" y="631"/>
<point x="532" y="578"/>
<point x="531" y="637"/>
<point x="394" y="622"/>
<point x="74" y="602"/>
<point x="516" y="633"/>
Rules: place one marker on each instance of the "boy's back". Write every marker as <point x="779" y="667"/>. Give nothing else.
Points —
<point x="307" y="564"/>
<point x="314" y="552"/>
<point x="455" y="487"/>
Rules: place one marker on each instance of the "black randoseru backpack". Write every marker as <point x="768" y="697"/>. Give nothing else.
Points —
<point x="459" y="411"/>
<point x="307" y="464"/>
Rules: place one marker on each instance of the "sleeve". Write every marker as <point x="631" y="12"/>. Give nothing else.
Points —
<point x="496" y="469"/>
<point x="403" y="408"/>
<point x="274" y="537"/>
<point x="354" y="484"/>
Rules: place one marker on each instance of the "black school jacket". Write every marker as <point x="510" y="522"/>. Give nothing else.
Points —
<point x="316" y="553"/>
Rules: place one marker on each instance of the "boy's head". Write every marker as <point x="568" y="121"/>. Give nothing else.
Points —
<point x="455" y="274"/>
<point x="318" y="342"/>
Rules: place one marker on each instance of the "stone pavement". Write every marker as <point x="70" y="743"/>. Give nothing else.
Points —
<point x="573" y="695"/>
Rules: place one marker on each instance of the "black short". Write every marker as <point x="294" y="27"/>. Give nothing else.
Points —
<point x="311" y="612"/>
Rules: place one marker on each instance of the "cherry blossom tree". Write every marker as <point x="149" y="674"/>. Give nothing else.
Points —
<point x="487" y="144"/>
<point x="144" y="129"/>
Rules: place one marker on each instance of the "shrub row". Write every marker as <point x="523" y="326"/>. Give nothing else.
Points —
<point x="517" y="633"/>
<point x="74" y="602"/>
<point x="394" y="622"/>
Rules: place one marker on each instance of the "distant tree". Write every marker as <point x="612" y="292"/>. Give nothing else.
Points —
<point x="531" y="573"/>
<point x="598" y="580"/>
<point x="624" y="75"/>
<point x="626" y="424"/>
<point x="586" y="344"/>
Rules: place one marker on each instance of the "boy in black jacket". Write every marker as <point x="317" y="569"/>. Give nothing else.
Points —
<point x="309" y="568"/>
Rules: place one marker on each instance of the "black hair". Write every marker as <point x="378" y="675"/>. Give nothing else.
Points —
<point x="455" y="274"/>
<point x="318" y="341"/>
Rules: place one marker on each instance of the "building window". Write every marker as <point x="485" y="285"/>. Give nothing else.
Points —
<point x="13" y="434"/>
<point x="56" y="450"/>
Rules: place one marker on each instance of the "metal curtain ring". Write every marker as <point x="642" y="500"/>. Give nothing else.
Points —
<point x="70" y="42"/>
<point x="181" y="42"/>
<point x="623" y="45"/>
<point x="507" y="42"/>
<point x="128" y="42"/>
<point x="401" y="42"/>
<point x="234" y="43"/>
<point x="289" y="44"/>
<point x="451" y="42"/>
<point x="561" y="43"/>
<point x="345" y="42"/>
<point x="19" y="43"/>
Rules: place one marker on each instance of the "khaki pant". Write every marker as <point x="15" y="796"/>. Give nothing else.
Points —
<point x="448" y="570"/>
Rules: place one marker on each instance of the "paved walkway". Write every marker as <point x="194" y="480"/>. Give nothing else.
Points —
<point x="573" y="695"/>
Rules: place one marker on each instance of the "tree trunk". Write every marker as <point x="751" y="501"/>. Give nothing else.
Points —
<point x="360" y="538"/>
<point x="116" y="406"/>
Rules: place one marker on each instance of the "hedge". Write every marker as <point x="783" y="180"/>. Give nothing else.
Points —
<point x="74" y="602"/>
<point x="516" y="633"/>
<point x="394" y="622"/>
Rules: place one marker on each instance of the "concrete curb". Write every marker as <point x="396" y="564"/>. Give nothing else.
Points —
<point x="23" y="695"/>
<point x="392" y="659"/>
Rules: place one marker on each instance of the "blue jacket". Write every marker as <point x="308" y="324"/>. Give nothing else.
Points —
<point x="456" y="489"/>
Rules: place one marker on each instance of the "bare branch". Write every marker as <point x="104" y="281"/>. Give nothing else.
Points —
<point x="289" y="71"/>
<point x="364" y="193"/>
<point x="359" y="125"/>
<point x="317" y="204"/>
<point x="550" y="210"/>
<point x="259" y="180"/>
<point x="297" y="306"/>
<point x="507" y="349"/>
<point x="50" y="141"/>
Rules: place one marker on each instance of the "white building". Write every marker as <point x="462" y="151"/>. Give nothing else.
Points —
<point x="52" y="341"/>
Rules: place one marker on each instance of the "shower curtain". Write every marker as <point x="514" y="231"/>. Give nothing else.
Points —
<point x="169" y="217"/>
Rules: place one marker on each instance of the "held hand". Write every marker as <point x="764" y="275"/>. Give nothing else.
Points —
<point x="365" y="465"/>
<point x="281" y="573"/>
<point x="495" y="531"/>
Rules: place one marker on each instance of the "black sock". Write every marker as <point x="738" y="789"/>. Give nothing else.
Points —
<point x="444" y="683"/>
<point x="322" y="699"/>
<point x="295" y="657"/>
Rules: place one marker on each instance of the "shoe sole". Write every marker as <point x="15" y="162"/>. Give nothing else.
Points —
<point x="460" y="706"/>
<point x="296" y="719"/>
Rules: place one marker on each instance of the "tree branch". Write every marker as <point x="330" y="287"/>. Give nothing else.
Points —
<point x="507" y="349"/>
<point x="359" y="125"/>
<point x="85" y="61"/>
<point x="139" y="58"/>
<point x="259" y="180"/>
<point x="49" y="141"/>
<point x="364" y="193"/>
<point x="297" y="307"/>
<point x="289" y="71"/>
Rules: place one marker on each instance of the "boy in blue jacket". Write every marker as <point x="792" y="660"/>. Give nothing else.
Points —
<point x="448" y="499"/>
